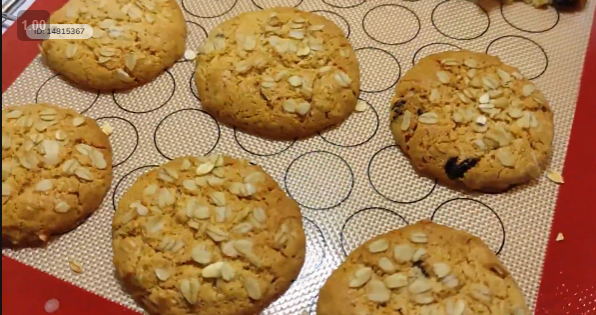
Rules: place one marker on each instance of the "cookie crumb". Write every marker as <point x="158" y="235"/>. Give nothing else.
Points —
<point x="560" y="237"/>
<point x="75" y="266"/>
<point x="107" y="129"/>
<point x="190" y="54"/>
<point x="52" y="306"/>
<point x="555" y="177"/>
<point x="361" y="106"/>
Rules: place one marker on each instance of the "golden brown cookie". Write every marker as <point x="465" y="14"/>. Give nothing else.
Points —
<point x="422" y="269"/>
<point x="56" y="170"/>
<point x="468" y="119"/>
<point x="132" y="42"/>
<point x="279" y="73"/>
<point x="210" y="236"/>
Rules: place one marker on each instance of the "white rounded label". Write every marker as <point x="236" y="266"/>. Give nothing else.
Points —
<point x="59" y="31"/>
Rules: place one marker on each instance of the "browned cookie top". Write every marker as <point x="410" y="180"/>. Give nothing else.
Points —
<point x="132" y="42"/>
<point x="209" y="236"/>
<point x="56" y="170"/>
<point x="467" y="118"/>
<point x="279" y="73"/>
<point x="422" y="269"/>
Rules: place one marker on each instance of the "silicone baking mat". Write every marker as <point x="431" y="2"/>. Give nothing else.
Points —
<point x="352" y="182"/>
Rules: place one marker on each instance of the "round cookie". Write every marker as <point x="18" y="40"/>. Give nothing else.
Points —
<point x="422" y="269"/>
<point x="210" y="236"/>
<point x="279" y="73"/>
<point x="56" y="170"/>
<point x="132" y="42"/>
<point x="470" y="120"/>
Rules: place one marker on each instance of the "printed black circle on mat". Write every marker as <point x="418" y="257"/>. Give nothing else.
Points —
<point x="344" y="3"/>
<point x="160" y="91"/>
<point x="366" y="224"/>
<point x="186" y="70"/>
<point x="339" y="20"/>
<point x="371" y="76"/>
<point x="319" y="180"/>
<point x="123" y="145"/>
<point x="208" y="9"/>
<point x="315" y="248"/>
<point x="58" y="91"/>
<point x="392" y="176"/>
<point x="263" y="4"/>
<point x="357" y="130"/>
<point x="260" y="146"/>
<point x="187" y="132"/>
<point x="433" y="48"/>
<point x="127" y="181"/>
<point x="193" y="85"/>
<point x="196" y="35"/>
<point x="378" y="20"/>
<point x="529" y="57"/>
<point x="475" y="217"/>
<point x="526" y="18"/>
<point x="447" y="16"/>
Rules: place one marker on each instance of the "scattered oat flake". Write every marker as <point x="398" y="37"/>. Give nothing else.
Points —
<point x="52" y="306"/>
<point x="560" y="237"/>
<point x="555" y="177"/>
<point x="190" y="54"/>
<point x="107" y="128"/>
<point x="75" y="266"/>
<point x="361" y="106"/>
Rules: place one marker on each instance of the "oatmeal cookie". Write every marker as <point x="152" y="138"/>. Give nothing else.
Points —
<point x="422" y="269"/>
<point x="468" y="119"/>
<point x="132" y="42"/>
<point x="56" y="170"/>
<point x="210" y="236"/>
<point x="279" y="73"/>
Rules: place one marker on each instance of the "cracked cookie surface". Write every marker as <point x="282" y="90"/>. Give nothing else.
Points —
<point x="132" y="42"/>
<point x="422" y="269"/>
<point x="210" y="236"/>
<point x="56" y="170"/>
<point x="470" y="120"/>
<point x="279" y="73"/>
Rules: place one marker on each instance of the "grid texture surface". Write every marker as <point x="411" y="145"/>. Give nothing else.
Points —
<point x="352" y="183"/>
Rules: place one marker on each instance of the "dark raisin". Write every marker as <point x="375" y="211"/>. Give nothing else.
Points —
<point x="400" y="312"/>
<point x="456" y="170"/>
<point x="564" y="3"/>
<point x="398" y="108"/>
<point x="420" y="111"/>
<point x="420" y="266"/>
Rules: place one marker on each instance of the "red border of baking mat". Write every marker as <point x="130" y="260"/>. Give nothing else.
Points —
<point x="569" y="277"/>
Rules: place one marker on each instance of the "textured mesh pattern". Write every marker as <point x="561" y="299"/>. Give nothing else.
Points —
<point x="352" y="183"/>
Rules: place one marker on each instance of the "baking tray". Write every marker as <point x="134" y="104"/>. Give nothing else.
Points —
<point x="352" y="182"/>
